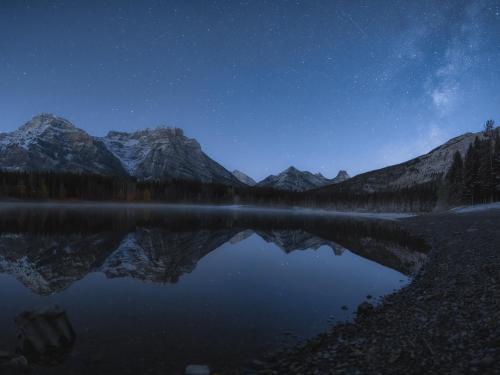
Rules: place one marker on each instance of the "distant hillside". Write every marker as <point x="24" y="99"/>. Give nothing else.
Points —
<point x="291" y="179"/>
<point x="422" y="169"/>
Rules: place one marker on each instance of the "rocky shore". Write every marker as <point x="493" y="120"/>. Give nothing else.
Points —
<point x="447" y="321"/>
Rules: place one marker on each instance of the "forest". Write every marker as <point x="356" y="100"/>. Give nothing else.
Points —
<point x="475" y="178"/>
<point x="87" y="187"/>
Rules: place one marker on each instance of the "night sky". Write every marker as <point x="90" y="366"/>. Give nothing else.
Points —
<point x="321" y="85"/>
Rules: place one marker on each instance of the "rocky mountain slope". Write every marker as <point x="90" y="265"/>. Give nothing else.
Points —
<point x="165" y="153"/>
<point x="50" y="143"/>
<point x="422" y="169"/>
<point x="294" y="180"/>
<point x="242" y="177"/>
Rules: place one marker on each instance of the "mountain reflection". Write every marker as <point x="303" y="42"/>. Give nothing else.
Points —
<point x="49" y="249"/>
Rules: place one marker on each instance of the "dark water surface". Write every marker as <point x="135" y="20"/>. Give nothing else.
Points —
<point x="152" y="289"/>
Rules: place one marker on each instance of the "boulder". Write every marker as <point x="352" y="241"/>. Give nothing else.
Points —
<point x="197" y="370"/>
<point x="45" y="335"/>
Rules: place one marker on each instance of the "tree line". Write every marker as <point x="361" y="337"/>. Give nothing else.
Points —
<point x="475" y="178"/>
<point x="34" y="185"/>
<point x="30" y="185"/>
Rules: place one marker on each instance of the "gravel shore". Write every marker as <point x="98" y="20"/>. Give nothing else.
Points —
<point x="447" y="321"/>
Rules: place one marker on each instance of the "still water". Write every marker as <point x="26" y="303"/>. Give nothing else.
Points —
<point x="151" y="289"/>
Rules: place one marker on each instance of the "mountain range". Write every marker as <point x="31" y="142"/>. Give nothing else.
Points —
<point x="51" y="143"/>
<point x="292" y="179"/>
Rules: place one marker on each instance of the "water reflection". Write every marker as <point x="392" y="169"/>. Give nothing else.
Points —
<point x="156" y="289"/>
<point x="48" y="250"/>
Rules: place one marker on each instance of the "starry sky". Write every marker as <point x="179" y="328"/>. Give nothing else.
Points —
<point x="262" y="85"/>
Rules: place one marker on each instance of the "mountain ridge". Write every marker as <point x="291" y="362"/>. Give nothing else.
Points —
<point x="419" y="170"/>
<point x="292" y="179"/>
<point x="51" y="143"/>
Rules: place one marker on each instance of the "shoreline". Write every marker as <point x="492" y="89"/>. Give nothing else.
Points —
<point x="447" y="320"/>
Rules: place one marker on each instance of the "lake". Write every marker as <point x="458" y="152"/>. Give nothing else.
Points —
<point x="151" y="289"/>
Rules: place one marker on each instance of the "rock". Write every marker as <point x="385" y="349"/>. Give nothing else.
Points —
<point x="45" y="334"/>
<point x="256" y="363"/>
<point x="364" y="308"/>
<point x="6" y="355"/>
<point x="19" y="361"/>
<point x="197" y="370"/>
<point x="483" y="362"/>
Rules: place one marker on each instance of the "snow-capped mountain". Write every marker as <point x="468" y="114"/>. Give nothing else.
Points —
<point x="165" y="153"/>
<point x="52" y="143"/>
<point x="422" y="169"/>
<point x="294" y="180"/>
<point x="242" y="177"/>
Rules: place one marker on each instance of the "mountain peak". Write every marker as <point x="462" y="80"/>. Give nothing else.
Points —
<point x="49" y="119"/>
<point x="165" y="153"/>
<point x="41" y="122"/>
<point x="51" y="143"/>
<point x="341" y="176"/>
<point x="161" y="130"/>
<point x="293" y="179"/>
<point x="291" y="169"/>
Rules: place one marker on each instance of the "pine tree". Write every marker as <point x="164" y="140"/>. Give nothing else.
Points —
<point x="471" y="165"/>
<point x="455" y="180"/>
<point x="485" y="170"/>
<point x="496" y="166"/>
<point x="489" y="127"/>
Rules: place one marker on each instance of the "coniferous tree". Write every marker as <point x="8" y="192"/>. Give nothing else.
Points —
<point x="489" y="127"/>
<point x="471" y="167"/>
<point x="496" y="166"/>
<point x="485" y="170"/>
<point x="455" y="180"/>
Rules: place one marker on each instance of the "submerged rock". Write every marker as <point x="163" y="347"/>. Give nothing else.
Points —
<point x="364" y="309"/>
<point x="18" y="361"/>
<point x="197" y="370"/>
<point x="5" y="359"/>
<point x="45" y="335"/>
